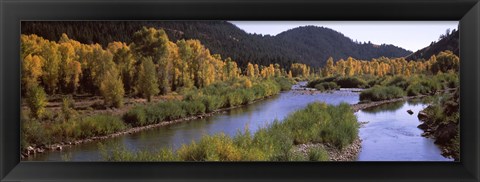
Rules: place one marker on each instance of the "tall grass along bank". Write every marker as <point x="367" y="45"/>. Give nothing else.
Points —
<point x="317" y="123"/>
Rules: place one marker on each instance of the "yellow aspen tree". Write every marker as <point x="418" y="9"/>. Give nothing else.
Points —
<point x="330" y="68"/>
<point x="250" y="70"/>
<point x="51" y="68"/>
<point x="31" y="71"/>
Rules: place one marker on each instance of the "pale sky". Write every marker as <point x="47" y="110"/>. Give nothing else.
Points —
<point x="410" y="35"/>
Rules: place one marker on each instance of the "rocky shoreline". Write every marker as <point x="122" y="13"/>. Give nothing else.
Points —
<point x="32" y="150"/>
<point x="349" y="153"/>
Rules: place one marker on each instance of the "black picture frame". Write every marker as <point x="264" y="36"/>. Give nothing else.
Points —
<point x="12" y="12"/>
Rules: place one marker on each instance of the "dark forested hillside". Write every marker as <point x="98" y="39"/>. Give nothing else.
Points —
<point x="448" y="41"/>
<point x="310" y="45"/>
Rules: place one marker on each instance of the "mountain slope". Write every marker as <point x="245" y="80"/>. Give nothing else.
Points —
<point x="310" y="45"/>
<point x="448" y="42"/>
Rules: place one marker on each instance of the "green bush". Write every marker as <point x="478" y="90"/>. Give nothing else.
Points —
<point x="312" y="84"/>
<point x="136" y="116"/>
<point x="378" y="93"/>
<point x="351" y="82"/>
<point x="193" y="107"/>
<point x="33" y="132"/>
<point x="99" y="125"/>
<point x="397" y="81"/>
<point x="211" y="148"/>
<point x="234" y="99"/>
<point x="212" y="102"/>
<point x="327" y="86"/>
<point x="317" y="154"/>
<point x="342" y="82"/>
<point x="284" y="83"/>
<point x="36" y="101"/>
<point x="171" y="110"/>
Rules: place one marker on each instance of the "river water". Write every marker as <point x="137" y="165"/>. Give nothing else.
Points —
<point x="390" y="135"/>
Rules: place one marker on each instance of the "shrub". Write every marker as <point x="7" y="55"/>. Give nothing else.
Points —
<point x="397" y="81"/>
<point x="327" y="86"/>
<point x="136" y="116"/>
<point x="234" y="99"/>
<point x="342" y="82"/>
<point x="317" y="154"/>
<point x="247" y="96"/>
<point x="212" y="102"/>
<point x="111" y="88"/>
<point x="312" y="84"/>
<point x="170" y="110"/>
<point x="33" y="132"/>
<point x="417" y="89"/>
<point x="67" y="108"/>
<point x="284" y="83"/>
<point x="211" y="148"/>
<point x="36" y="101"/>
<point x="193" y="107"/>
<point x="378" y="93"/>
<point x="99" y="125"/>
<point x="351" y="82"/>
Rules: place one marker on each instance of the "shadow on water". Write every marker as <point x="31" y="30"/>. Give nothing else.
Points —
<point x="391" y="107"/>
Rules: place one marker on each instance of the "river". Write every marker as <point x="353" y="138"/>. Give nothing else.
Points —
<point x="382" y="139"/>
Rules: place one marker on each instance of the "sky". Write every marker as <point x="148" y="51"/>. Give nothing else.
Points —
<point x="410" y="35"/>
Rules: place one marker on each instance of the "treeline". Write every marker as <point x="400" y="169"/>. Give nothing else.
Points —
<point x="442" y="62"/>
<point x="308" y="45"/>
<point x="150" y="65"/>
<point x="391" y="78"/>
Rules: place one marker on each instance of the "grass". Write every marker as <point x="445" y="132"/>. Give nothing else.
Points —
<point x="37" y="132"/>
<point x="208" y="99"/>
<point x="68" y="126"/>
<point x="317" y="123"/>
<point x="342" y="82"/>
<point x="378" y="93"/>
<point x="324" y="86"/>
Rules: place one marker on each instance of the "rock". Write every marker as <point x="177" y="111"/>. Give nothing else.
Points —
<point x="39" y="150"/>
<point x="30" y="150"/>
<point x="444" y="133"/>
<point x="422" y="116"/>
<point x="58" y="147"/>
<point x="423" y="126"/>
<point x="410" y="112"/>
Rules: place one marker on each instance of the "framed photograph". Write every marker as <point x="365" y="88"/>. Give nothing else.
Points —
<point x="239" y="90"/>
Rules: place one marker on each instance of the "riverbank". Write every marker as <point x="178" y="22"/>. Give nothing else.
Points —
<point x="32" y="150"/>
<point x="441" y="122"/>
